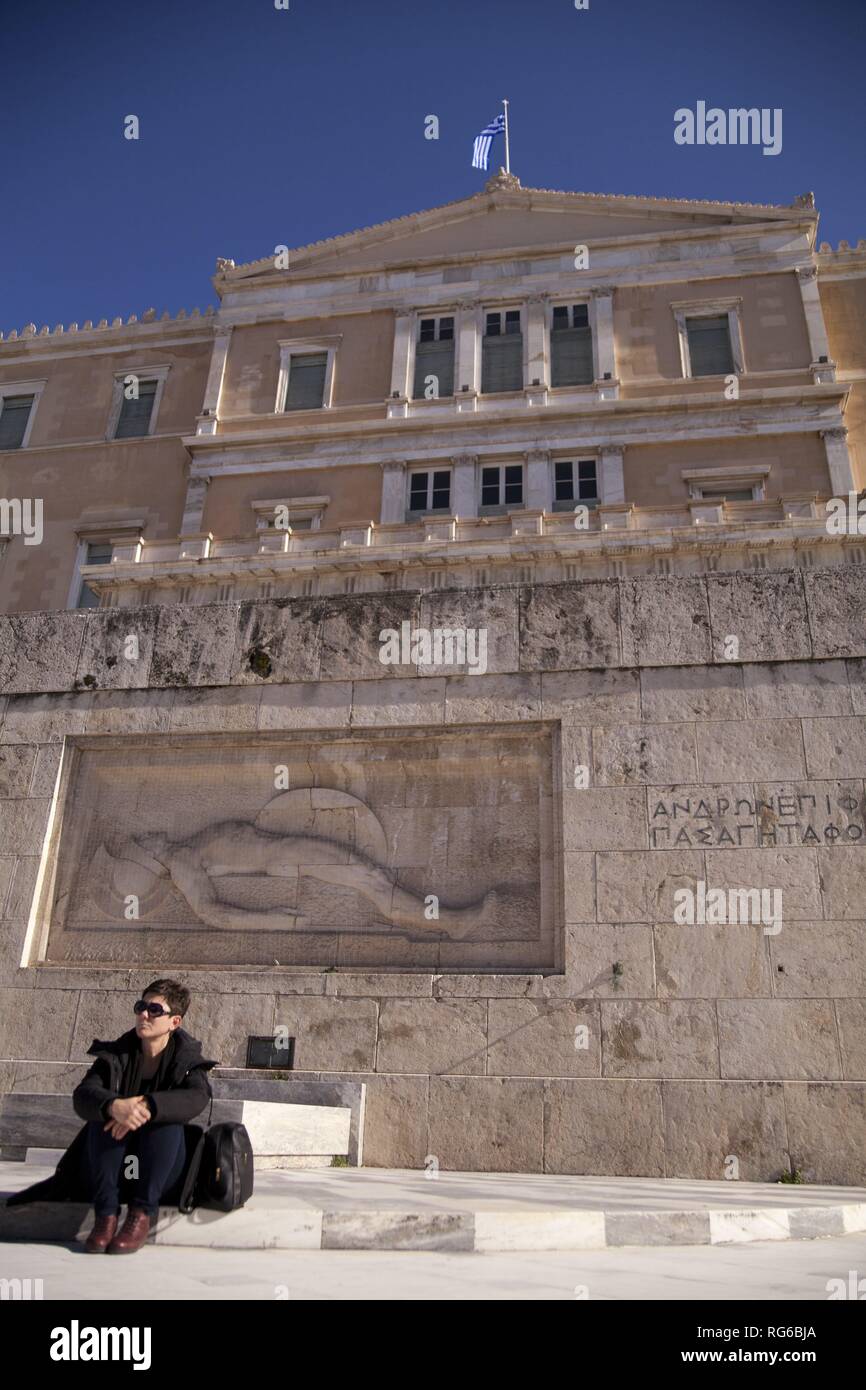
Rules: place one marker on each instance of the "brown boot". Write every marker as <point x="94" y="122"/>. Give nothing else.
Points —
<point x="132" y="1234"/>
<point x="104" y="1228"/>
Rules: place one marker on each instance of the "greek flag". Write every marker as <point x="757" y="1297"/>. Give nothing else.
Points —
<point x="485" y="140"/>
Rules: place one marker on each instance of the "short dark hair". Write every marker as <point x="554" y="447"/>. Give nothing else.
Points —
<point x="176" y="995"/>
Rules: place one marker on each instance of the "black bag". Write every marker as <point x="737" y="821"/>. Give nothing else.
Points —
<point x="219" y="1174"/>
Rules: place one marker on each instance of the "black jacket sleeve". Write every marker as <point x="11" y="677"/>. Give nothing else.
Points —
<point x="182" y="1102"/>
<point x="93" y="1095"/>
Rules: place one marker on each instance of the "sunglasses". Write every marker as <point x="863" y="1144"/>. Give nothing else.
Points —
<point x="154" y="1010"/>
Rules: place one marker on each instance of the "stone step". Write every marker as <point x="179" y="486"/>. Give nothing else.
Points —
<point x="377" y="1209"/>
<point x="278" y="1130"/>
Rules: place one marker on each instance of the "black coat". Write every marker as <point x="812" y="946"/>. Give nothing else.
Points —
<point x="186" y="1094"/>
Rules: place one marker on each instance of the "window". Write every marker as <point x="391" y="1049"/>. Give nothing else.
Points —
<point x="136" y="414"/>
<point x="434" y="357"/>
<point x="502" y="352"/>
<point x="710" y="345"/>
<point x="430" y="491"/>
<point x="95" y="553"/>
<point x="574" y="483"/>
<point x="571" y="361"/>
<point x="730" y="494"/>
<point x="14" y="419"/>
<point x="501" y="486"/>
<point x="306" y="385"/>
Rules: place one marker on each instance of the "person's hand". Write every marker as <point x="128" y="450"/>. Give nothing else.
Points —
<point x="126" y="1115"/>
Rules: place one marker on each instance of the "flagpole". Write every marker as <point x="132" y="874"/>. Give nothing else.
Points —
<point x="507" y="148"/>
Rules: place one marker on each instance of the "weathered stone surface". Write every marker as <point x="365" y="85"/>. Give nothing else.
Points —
<point x="107" y="659"/>
<point x="36" y="1023"/>
<point x="640" y="886"/>
<point x="820" y="959"/>
<point x="331" y="1034"/>
<point x="692" y="692"/>
<point x="857" y="685"/>
<point x="488" y="986"/>
<point x="605" y="961"/>
<point x="665" y="621"/>
<point x="843" y="884"/>
<point x="793" y="871"/>
<point x="17" y="908"/>
<point x="102" y="1014"/>
<point x="379" y="703"/>
<point x="813" y="813"/>
<point x="765" y="612"/>
<point x="380" y="986"/>
<point x="493" y="610"/>
<point x="17" y="761"/>
<point x="223" y="1023"/>
<point x="129" y="712"/>
<point x="709" y="962"/>
<point x="45" y="769"/>
<point x="605" y="1128"/>
<point x="837" y="610"/>
<point x="771" y="748"/>
<point x="39" y="651"/>
<point x="486" y="1122"/>
<point x="530" y="1037"/>
<point x="851" y="1015"/>
<point x="796" y="688"/>
<point x="395" y="1121"/>
<point x="432" y="1035"/>
<point x="647" y="753"/>
<point x="350" y="635"/>
<point x="598" y="817"/>
<point x="835" y="747"/>
<point x="492" y="699"/>
<point x="45" y="718"/>
<point x="194" y="646"/>
<point x="579" y="886"/>
<point x="563" y="626"/>
<point x="778" y="1039"/>
<point x="22" y="825"/>
<point x="827" y="1131"/>
<point x="690" y="816"/>
<point x="589" y="697"/>
<point x="278" y="640"/>
<point x="325" y="706"/>
<point x="666" y="1038"/>
<point x="709" y="1123"/>
<point x="214" y="710"/>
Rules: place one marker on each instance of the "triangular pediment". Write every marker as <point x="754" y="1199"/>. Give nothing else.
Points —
<point x="508" y="218"/>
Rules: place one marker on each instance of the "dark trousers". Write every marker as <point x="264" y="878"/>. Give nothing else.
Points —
<point x="161" y="1157"/>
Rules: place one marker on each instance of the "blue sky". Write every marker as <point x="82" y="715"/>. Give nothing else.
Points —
<point x="261" y="126"/>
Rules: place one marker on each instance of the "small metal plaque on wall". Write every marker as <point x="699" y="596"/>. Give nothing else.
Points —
<point x="266" y="1052"/>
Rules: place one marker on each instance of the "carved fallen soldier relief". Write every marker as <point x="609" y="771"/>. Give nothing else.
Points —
<point x="388" y="849"/>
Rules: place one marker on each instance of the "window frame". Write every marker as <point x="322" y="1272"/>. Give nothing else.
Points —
<point x="438" y="314"/>
<point x="508" y="307"/>
<point x="737" y="477"/>
<point x="414" y="513"/>
<point x="23" y="388"/>
<point x="305" y="347"/>
<point x="158" y="374"/>
<point x="568" y="505"/>
<point x="502" y="508"/>
<point x="588" y="302"/>
<point x="683" y="310"/>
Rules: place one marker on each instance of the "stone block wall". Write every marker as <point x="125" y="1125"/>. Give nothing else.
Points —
<point x="648" y="1046"/>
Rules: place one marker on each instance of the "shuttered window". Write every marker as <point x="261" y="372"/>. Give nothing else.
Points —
<point x="571" y="346"/>
<point x="14" y="414"/>
<point x="306" y="389"/>
<point x="573" y="483"/>
<point x="434" y="358"/>
<point x="430" y="490"/>
<point x="97" y="554"/>
<point x="710" y="345"/>
<point x="135" y="415"/>
<point x="502" y="352"/>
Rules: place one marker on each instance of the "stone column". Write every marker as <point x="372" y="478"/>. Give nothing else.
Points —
<point x="610" y="483"/>
<point x="210" y="406"/>
<point x="463" y="501"/>
<point x="393" y="491"/>
<point x="807" y="277"/>
<point x="839" y="461"/>
<point x="193" y="507"/>
<point x="538" y="483"/>
<point x="605" y="346"/>
<point x="404" y="329"/>
<point x="537" y="353"/>
<point x="467" y="362"/>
